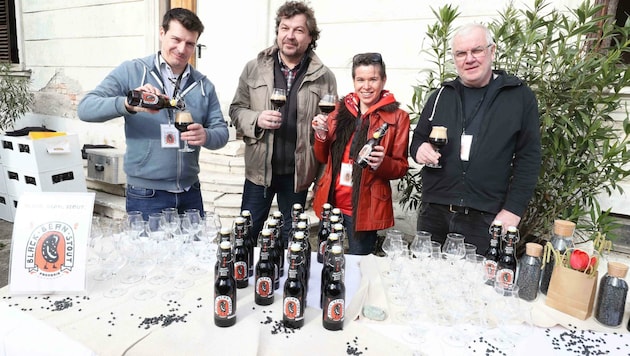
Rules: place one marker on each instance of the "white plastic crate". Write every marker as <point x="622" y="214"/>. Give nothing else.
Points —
<point x="6" y="211"/>
<point x="69" y="179"/>
<point x="41" y="155"/>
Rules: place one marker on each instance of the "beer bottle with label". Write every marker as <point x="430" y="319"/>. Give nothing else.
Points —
<point x="152" y="101"/>
<point x="363" y="156"/>
<point x="306" y="245"/>
<point x="333" y="311"/>
<point x="241" y="254"/>
<point x="251" y="241"/>
<point x="294" y="296"/>
<point x="324" y="231"/>
<point x="506" y="266"/>
<point x="225" y="289"/>
<point x="264" y="277"/>
<point x="493" y="252"/>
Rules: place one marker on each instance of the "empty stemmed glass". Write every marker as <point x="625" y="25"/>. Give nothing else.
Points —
<point x="171" y="221"/>
<point x="453" y="248"/>
<point x="194" y="224"/>
<point x="392" y="246"/>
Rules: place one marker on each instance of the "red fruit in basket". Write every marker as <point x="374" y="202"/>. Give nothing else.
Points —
<point x="580" y="260"/>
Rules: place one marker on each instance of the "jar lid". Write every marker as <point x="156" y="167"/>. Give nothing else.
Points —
<point x="563" y="228"/>
<point x="533" y="249"/>
<point x="617" y="269"/>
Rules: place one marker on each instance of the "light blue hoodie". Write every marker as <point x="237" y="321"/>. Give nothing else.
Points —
<point x="147" y="164"/>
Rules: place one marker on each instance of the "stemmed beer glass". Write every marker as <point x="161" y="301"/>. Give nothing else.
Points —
<point x="278" y="98"/>
<point x="326" y="106"/>
<point x="438" y="138"/>
<point x="183" y="118"/>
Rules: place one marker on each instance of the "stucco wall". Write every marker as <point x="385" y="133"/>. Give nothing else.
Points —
<point x="70" y="45"/>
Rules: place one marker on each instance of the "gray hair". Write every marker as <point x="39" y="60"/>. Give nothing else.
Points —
<point x="470" y="27"/>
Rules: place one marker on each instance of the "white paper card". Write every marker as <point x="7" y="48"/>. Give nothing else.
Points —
<point x="345" y="175"/>
<point x="464" y="154"/>
<point x="49" y="245"/>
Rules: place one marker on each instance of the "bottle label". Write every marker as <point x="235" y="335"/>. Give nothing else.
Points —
<point x="293" y="308"/>
<point x="240" y="270"/>
<point x="335" y="310"/>
<point x="322" y="248"/>
<point x="223" y="307"/>
<point x="264" y="287"/>
<point x="490" y="267"/>
<point x="505" y="277"/>
<point x="365" y="151"/>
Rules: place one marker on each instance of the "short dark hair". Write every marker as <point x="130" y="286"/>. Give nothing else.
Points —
<point x="292" y="8"/>
<point x="187" y="18"/>
<point x="368" y="59"/>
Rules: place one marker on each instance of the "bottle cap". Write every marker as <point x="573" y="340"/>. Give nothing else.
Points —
<point x="563" y="228"/>
<point x="617" y="269"/>
<point x="533" y="249"/>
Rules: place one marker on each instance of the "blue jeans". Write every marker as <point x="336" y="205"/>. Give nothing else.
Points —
<point x="258" y="198"/>
<point x="153" y="201"/>
<point x="439" y="220"/>
<point x="359" y="242"/>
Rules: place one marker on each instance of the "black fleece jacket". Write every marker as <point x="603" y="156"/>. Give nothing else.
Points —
<point x="505" y="156"/>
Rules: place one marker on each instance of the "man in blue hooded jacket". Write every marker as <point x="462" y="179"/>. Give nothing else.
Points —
<point x="159" y="175"/>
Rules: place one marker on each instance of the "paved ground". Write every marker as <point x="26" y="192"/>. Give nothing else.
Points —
<point x="6" y="231"/>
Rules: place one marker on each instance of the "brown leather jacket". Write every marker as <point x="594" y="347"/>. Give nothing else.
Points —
<point x="373" y="209"/>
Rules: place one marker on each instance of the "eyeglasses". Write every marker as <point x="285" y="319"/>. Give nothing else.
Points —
<point x="477" y="52"/>
<point x="367" y="58"/>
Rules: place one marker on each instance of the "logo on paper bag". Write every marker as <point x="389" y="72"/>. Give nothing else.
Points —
<point x="50" y="250"/>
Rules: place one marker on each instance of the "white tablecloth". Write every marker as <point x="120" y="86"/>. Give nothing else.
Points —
<point x="81" y="324"/>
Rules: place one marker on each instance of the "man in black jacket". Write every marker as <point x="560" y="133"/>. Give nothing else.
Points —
<point x="491" y="162"/>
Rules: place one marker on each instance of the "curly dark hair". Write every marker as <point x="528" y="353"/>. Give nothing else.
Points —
<point x="292" y="8"/>
<point x="187" y="18"/>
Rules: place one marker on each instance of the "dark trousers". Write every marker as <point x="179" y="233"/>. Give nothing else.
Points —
<point x="440" y="219"/>
<point x="257" y="199"/>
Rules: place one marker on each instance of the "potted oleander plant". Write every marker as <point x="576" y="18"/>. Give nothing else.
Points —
<point x="573" y="62"/>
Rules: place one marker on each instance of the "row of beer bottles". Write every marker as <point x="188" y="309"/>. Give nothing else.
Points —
<point x="295" y="290"/>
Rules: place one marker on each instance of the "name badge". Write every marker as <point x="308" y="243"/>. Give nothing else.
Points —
<point x="466" y="142"/>
<point x="169" y="136"/>
<point x="345" y="175"/>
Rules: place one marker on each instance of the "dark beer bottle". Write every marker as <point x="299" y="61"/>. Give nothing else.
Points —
<point x="324" y="231"/>
<point x="264" y="277"/>
<point x="333" y="311"/>
<point x="241" y="254"/>
<point x="225" y="289"/>
<point x="152" y="101"/>
<point x="298" y="238"/>
<point x="493" y="252"/>
<point x="294" y="297"/>
<point x="278" y="255"/>
<point x="333" y="240"/>
<point x="363" y="156"/>
<point x="251" y="241"/>
<point x="306" y="244"/>
<point x="280" y="219"/>
<point x="296" y="210"/>
<point x="224" y="235"/>
<point x="506" y="266"/>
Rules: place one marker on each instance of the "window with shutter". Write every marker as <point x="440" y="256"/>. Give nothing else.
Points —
<point x="8" y="39"/>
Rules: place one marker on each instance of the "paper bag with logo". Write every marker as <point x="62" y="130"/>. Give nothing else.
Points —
<point x="572" y="292"/>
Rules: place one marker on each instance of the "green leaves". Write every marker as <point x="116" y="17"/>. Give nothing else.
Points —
<point x="573" y="62"/>
<point x="15" y="98"/>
